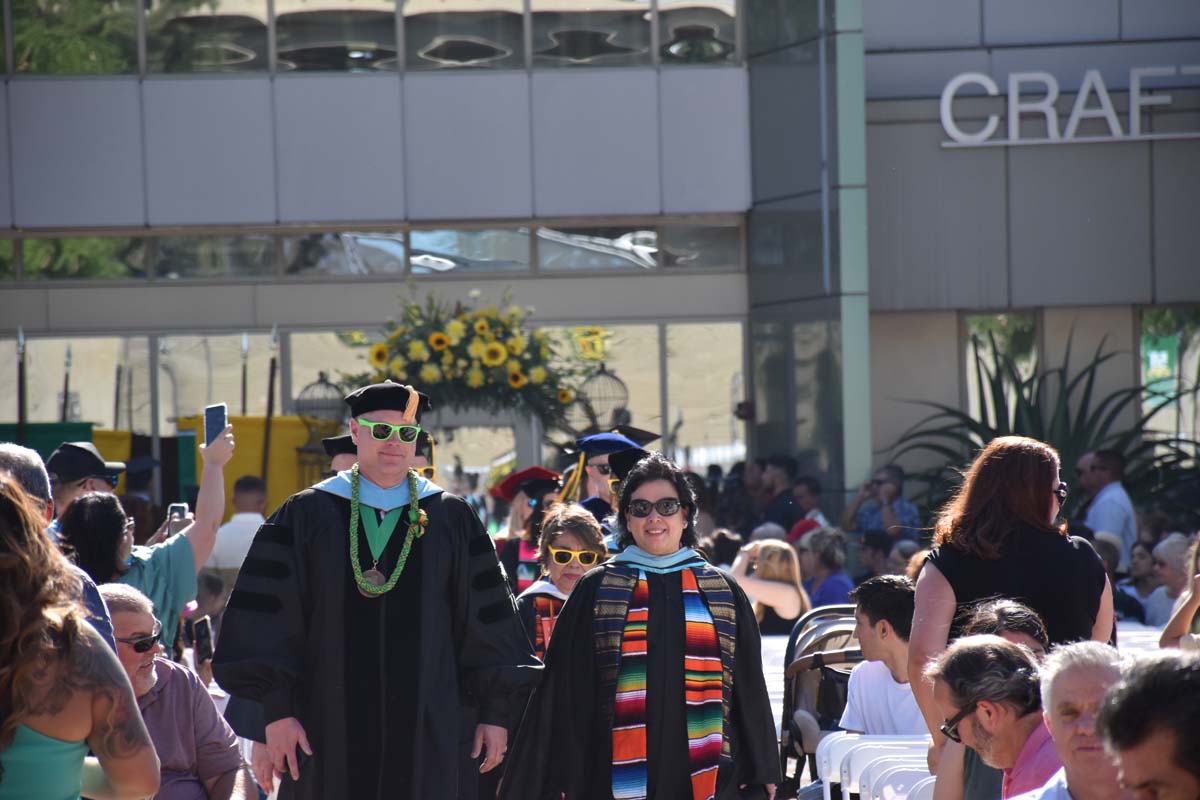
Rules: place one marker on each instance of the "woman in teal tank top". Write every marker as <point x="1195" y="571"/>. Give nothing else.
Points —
<point x="40" y="766"/>
<point x="66" y="693"/>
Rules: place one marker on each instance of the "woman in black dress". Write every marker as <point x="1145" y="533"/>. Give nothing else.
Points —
<point x="774" y="584"/>
<point x="1000" y="536"/>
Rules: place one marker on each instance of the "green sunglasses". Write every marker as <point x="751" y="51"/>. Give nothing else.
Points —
<point x="382" y="431"/>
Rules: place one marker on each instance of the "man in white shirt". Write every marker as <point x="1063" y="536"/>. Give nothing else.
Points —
<point x="1111" y="510"/>
<point x="1075" y="679"/>
<point x="235" y="536"/>
<point x="879" y="699"/>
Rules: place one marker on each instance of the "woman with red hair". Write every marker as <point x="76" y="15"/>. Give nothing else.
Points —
<point x="1000" y="536"/>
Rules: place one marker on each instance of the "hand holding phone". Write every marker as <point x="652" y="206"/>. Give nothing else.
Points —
<point x="176" y="518"/>
<point x="202" y="631"/>
<point x="216" y="418"/>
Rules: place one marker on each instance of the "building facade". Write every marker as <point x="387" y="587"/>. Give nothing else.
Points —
<point x="769" y="201"/>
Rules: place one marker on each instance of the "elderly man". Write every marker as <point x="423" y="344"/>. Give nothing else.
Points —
<point x="880" y="504"/>
<point x="1075" y="678"/>
<point x="987" y="690"/>
<point x="1150" y="722"/>
<point x="373" y="623"/>
<point x="200" y="756"/>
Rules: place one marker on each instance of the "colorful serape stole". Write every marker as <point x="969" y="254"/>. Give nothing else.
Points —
<point x="629" y="706"/>
<point x="545" y="611"/>
<point x="703" y="693"/>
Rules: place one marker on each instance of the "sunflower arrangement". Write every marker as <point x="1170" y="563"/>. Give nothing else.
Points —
<point x="467" y="357"/>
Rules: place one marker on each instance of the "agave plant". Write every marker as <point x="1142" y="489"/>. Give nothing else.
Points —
<point x="1061" y="408"/>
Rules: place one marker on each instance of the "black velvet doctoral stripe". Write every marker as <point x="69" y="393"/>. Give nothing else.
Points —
<point x="266" y="568"/>
<point x="495" y="612"/>
<point x="489" y="578"/>
<point x="275" y="534"/>
<point x="479" y="545"/>
<point x="243" y="600"/>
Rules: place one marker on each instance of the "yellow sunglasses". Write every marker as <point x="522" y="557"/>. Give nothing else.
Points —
<point x="562" y="556"/>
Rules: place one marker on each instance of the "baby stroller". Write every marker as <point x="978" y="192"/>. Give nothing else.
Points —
<point x="821" y="652"/>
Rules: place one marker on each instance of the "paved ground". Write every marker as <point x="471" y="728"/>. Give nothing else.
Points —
<point x="772" y="655"/>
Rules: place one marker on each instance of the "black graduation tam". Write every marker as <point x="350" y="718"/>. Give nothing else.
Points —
<point x="534" y="489"/>
<point x="599" y="444"/>
<point x="624" y="461"/>
<point x="339" y="446"/>
<point x="507" y="489"/>
<point x="636" y="435"/>
<point x="386" y="396"/>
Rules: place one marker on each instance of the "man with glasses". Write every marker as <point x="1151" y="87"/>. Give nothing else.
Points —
<point x="880" y="505"/>
<point x="988" y="692"/>
<point x="77" y="468"/>
<point x="596" y="449"/>
<point x="373" y="623"/>
<point x="197" y="750"/>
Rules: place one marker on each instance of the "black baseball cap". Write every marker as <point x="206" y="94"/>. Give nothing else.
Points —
<point x="74" y="461"/>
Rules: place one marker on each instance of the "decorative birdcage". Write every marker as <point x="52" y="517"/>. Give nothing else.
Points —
<point x="601" y="403"/>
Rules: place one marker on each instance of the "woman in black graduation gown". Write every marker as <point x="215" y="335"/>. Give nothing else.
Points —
<point x="652" y="648"/>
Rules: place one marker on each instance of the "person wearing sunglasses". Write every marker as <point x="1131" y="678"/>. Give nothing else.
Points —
<point x="372" y="622"/>
<point x="1000" y="536"/>
<point x="987" y="694"/>
<point x="76" y="469"/>
<point x="594" y="453"/>
<point x="642" y="695"/>
<point x="199" y="753"/>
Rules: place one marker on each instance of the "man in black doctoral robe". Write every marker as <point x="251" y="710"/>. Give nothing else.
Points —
<point x="376" y="654"/>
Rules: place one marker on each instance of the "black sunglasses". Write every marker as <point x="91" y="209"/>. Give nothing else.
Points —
<point x="667" y="507"/>
<point x="949" y="728"/>
<point x="1061" y="491"/>
<point x="142" y="644"/>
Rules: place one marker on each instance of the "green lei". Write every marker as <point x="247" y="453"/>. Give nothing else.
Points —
<point x="417" y="519"/>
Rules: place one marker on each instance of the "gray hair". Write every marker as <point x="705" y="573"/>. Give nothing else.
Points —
<point x="27" y="469"/>
<point x="987" y="667"/>
<point x="1173" y="551"/>
<point x="120" y="597"/>
<point x="1077" y="655"/>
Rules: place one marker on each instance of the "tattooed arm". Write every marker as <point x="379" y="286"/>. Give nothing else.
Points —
<point x="126" y="766"/>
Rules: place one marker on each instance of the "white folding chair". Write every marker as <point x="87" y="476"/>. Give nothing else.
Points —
<point x="873" y="770"/>
<point x="829" y="761"/>
<point x="870" y="748"/>
<point x="922" y="789"/>
<point x="896" y="783"/>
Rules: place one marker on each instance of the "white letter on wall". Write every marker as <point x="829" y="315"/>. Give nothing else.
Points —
<point x="1044" y="106"/>
<point x="948" y="123"/>
<point x="1092" y="82"/>
<point x="1137" y="100"/>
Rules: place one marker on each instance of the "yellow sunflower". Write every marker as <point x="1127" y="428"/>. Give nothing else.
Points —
<point x="476" y="347"/>
<point x="439" y="341"/>
<point x="565" y="396"/>
<point x="430" y="373"/>
<point x="455" y="329"/>
<point x="482" y="327"/>
<point x="537" y="375"/>
<point x="378" y="356"/>
<point x="396" y="366"/>
<point x="516" y="344"/>
<point x="513" y="366"/>
<point x="517" y="379"/>
<point x="417" y="351"/>
<point x="494" y="355"/>
<point x="474" y="377"/>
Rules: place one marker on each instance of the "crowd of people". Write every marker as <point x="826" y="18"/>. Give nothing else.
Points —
<point x="375" y="638"/>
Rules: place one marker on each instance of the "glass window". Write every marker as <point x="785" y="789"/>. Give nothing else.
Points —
<point x="692" y="32"/>
<point x="213" y="256"/>
<point x="597" y="33"/>
<point x="344" y="254"/>
<point x="436" y="252"/>
<point x="597" y="248"/>
<point x="197" y="371"/>
<point x="74" y="37"/>
<point x="700" y="246"/>
<point x="212" y="37"/>
<point x="347" y="39"/>
<point x="705" y="384"/>
<point x="448" y="34"/>
<point x="622" y="386"/>
<point x="1170" y="352"/>
<point x="95" y="258"/>
<point x="992" y="339"/>
<point x="8" y="268"/>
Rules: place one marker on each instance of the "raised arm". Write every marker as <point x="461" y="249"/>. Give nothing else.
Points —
<point x="210" y="504"/>
<point x="777" y="594"/>
<point x="1180" y="623"/>
<point x="125" y="765"/>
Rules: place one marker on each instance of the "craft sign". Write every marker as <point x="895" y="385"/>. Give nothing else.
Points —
<point x="1035" y="95"/>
